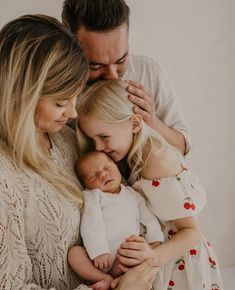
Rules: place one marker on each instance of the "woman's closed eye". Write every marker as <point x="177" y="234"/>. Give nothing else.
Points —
<point x="61" y="104"/>
<point x="103" y="137"/>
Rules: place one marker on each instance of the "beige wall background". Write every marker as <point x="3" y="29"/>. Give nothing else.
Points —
<point x="194" y="41"/>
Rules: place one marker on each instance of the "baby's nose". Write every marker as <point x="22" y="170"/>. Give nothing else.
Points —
<point x="103" y="174"/>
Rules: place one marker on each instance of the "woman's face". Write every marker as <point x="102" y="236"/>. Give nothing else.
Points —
<point x="51" y="114"/>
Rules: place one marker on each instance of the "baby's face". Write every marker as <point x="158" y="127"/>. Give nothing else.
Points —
<point x="99" y="171"/>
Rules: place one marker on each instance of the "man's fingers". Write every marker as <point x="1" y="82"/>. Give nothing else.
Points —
<point x="138" y="86"/>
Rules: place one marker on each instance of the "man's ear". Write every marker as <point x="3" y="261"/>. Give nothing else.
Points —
<point x="136" y="122"/>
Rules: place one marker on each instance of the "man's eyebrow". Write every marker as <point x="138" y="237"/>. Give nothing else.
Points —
<point x="99" y="63"/>
<point x="124" y="55"/>
<point x="95" y="63"/>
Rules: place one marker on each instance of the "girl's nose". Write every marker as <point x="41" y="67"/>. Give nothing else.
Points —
<point x="99" y="145"/>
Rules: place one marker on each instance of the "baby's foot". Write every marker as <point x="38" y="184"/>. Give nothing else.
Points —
<point x="103" y="284"/>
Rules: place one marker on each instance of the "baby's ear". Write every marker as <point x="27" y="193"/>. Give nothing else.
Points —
<point x="136" y="122"/>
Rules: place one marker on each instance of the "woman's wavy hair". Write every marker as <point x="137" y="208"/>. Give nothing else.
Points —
<point x="108" y="101"/>
<point x="39" y="59"/>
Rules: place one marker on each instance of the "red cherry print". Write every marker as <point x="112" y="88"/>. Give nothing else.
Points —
<point x="187" y="205"/>
<point x="192" y="206"/>
<point x="171" y="283"/>
<point x="214" y="287"/>
<point x="213" y="263"/>
<point x="193" y="252"/>
<point x="171" y="232"/>
<point x="210" y="260"/>
<point x="181" y="267"/>
<point x="208" y="243"/>
<point x="155" y="183"/>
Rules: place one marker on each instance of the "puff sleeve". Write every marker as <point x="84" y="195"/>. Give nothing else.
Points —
<point x="173" y="197"/>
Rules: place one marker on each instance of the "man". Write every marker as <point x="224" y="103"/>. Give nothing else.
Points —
<point x="101" y="26"/>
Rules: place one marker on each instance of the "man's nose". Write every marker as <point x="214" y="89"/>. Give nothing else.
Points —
<point x="111" y="72"/>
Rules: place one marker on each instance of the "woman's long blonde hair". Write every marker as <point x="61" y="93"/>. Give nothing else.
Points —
<point x="38" y="59"/>
<point x="108" y="101"/>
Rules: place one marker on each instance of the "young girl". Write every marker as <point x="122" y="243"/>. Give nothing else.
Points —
<point x="173" y="193"/>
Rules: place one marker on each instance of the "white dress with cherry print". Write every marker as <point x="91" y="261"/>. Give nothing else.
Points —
<point x="173" y="198"/>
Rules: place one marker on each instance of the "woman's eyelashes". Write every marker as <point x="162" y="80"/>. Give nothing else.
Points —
<point x="61" y="104"/>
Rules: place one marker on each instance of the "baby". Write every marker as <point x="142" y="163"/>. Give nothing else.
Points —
<point x="112" y="213"/>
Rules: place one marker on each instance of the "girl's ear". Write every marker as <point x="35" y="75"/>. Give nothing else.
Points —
<point x="136" y="122"/>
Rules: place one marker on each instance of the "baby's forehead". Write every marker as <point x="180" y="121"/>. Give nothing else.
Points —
<point x="93" y="162"/>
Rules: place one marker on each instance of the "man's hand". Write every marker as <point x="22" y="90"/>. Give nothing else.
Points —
<point x="143" y="101"/>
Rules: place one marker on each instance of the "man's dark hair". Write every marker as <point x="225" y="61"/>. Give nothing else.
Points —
<point x="94" y="15"/>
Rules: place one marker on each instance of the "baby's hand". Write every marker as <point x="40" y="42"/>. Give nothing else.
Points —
<point x="134" y="251"/>
<point x="103" y="261"/>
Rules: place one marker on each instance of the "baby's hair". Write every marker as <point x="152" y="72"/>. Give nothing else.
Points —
<point x="84" y="158"/>
<point x="107" y="100"/>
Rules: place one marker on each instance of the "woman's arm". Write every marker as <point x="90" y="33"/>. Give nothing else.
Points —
<point x="16" y="268"/>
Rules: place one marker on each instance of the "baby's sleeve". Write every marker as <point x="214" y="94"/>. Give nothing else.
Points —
<point x="149" y="220"/>
<point x="93" y="230"/>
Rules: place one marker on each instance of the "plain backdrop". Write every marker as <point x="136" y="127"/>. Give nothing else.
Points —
<point x="194" y="42"/>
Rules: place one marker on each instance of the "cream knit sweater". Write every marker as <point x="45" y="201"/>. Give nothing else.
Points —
<point x="37" y="225"/>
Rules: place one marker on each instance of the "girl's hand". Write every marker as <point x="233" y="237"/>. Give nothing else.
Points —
<point x="134" y="251"/>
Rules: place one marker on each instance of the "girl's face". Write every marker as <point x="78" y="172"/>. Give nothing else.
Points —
<point x="51" y="115"/>
<point x="113" y="139"/>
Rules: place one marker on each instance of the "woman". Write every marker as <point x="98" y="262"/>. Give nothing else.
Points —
<point x="42" y="70"/>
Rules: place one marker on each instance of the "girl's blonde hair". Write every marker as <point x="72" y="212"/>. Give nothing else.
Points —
<point x="108" y="101"/>
<point x="38" y="59"/>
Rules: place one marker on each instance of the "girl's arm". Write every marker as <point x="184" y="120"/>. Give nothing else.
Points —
<point x="135" y="249"/>
<point x="162" y="164"/>
<point x="188" y="235"/>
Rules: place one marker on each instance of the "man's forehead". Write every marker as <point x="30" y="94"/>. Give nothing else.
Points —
<point x="98" y="44"/>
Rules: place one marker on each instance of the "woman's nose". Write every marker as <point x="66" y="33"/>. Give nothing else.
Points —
<point x="71" y="111"/>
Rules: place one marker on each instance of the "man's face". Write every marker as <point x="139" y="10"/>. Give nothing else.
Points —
<point x="107" y="52"/>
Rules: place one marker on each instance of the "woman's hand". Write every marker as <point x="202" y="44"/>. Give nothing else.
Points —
<point x="139" y="277"/>
<point x="134" y="251"/>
